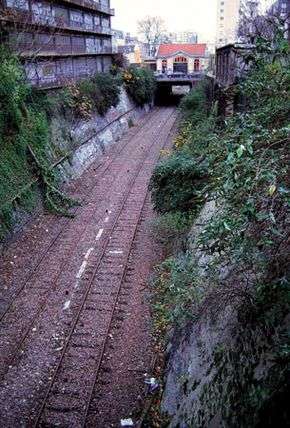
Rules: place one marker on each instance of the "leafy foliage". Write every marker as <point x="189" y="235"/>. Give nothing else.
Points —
<point x="247" y="173"/>
<point x="140" y="84"/>
<point x="101" y="92"/>
<point x="194" y="105"/>
<point x="176" y="288"/>
<point x="176" y="183"/>
<point x="170" y="229"/>
<point x="24" y="153"/>
<point x="13" y="92"/>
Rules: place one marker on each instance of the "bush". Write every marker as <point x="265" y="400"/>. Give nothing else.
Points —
<point x="170" y="229"/>
<point x="140" y="84"/>
<point x="177" y="288"/>
<point x="177" y="182"/>
<point x="13" y="91"/>
<point x="101" y="92"/>
<point x="194" y="105"/>
<point x="24" y="151"/>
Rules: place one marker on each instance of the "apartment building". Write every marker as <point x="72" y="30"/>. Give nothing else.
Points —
<point x="228" y="14"/>
<point x="183" y="37"/>
<point x="59" y="41"/>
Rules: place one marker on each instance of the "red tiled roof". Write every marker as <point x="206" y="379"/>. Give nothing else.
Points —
<point x="190" y="49"/>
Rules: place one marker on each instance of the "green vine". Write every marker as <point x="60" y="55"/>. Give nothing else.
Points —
<point x="24" y="149"/>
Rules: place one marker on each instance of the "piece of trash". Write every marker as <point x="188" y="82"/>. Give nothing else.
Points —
<point x="66" y="305"/>
<point x="127" y="423"/>
<point x="153" y="384"/>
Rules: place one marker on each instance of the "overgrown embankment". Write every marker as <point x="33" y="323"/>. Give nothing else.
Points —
<point x="38" y="129"/>
<point x="221" y="299"/>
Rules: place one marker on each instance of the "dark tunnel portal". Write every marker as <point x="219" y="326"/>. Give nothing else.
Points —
<point x="167" y="94"/>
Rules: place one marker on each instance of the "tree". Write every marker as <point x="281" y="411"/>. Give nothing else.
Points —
<point x="253" y="25"/>
<point x="250" y="21"/>
<point x="152" y="30"/>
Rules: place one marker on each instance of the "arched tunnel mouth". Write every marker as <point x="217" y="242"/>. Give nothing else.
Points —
<point x="170" y="94"/>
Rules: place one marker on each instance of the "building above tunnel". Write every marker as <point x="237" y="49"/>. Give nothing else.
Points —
<point x="185" y="58"/>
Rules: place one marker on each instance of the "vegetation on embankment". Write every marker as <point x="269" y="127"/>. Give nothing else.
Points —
<point x="240" y="166"/>
<point x="27" y="150"/>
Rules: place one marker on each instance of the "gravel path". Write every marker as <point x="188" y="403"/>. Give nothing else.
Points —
<point x="74" y="321"/>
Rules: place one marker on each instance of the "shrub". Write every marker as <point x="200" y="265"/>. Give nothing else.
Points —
<point x="24" y="151"/>
<point x="170" y="229"/>
<point x="177" y="182"/>
<point x="13" y="91"/>
<point x="177" y="288"/>
<point x="194" y="105"/>
<point x="99" y="93"/>
<point x="140" y="84"/>
<point x="119" y="62"/>
<point x="109" y="88"/>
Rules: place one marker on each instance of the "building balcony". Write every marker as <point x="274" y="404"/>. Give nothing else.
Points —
<point x="58" y="81"/>
<point x="33" y="50"/>
<point x="91" y="5"/>
<point x="26" y="18"/>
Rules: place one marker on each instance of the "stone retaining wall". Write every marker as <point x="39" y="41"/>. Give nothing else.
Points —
<point x="89" y="139"/>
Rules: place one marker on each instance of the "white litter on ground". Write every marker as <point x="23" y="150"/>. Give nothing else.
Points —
<point x="127" y="423"/>
<point x="66" y="305"/>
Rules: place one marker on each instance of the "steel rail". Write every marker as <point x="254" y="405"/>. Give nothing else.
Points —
<point x="100" y="360"/>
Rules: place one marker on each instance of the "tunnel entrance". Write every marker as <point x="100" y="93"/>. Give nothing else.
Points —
<point x="171" y="93"/>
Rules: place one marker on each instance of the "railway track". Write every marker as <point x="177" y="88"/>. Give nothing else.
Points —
<point x="70" y="391"/>
<point x="5" y="305"/>
<point x="41" y="288"/>
<point x="72" y="403"/>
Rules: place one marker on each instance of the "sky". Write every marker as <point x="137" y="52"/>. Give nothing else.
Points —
<point x="180" y="15"/>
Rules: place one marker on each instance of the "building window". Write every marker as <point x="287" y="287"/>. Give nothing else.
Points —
<point x="164" y="65"/>
<point x="180" y="59"/>
<point x="48" y="70"/>
<point x="18" y="4"/>
<point x="196" y="64"/>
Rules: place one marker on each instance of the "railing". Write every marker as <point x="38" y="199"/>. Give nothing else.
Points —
<point x="27" y="18"/>
<point x="179" y="76"/>
<point x="41" y="49"/>
<point x="94" y="5"/>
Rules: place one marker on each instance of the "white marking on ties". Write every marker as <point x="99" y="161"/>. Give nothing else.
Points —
<point x="84" y="264"/>
<point x="107" y="219"/>
<point x="116" y="252"/>
<point x="88" y="253"/>
<point x="99" y="235"/>
<point x="82" y="269"/>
